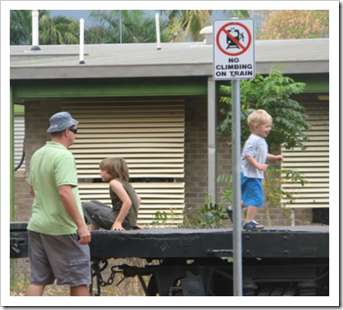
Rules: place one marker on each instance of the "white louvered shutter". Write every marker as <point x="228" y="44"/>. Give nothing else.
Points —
<point x="149" y="136"/>
<point x="19" y="135"/>
<point x="313" y="164"/>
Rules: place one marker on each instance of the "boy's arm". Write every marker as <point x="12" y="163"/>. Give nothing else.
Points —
<point x="253" y="162"/>
<point x="274" y="157"/>
<point x="139" y="200"/>
<point x="69" y="203"/>
<point x="118" y="188"/>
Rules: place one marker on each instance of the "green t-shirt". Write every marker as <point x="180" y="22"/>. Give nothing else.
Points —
<point x="51" y="166"/>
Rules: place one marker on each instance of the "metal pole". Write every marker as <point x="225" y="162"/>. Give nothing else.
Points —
<point x="12" y="183"/>
<point x="236" y="173"/>
<point x="158" y="36"/>
<point x="35" y="31"/>
<point x="82" y="27"/>
<point x="212" y="139"/>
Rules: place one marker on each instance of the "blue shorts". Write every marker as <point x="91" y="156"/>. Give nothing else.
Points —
<point x="252" y="192"/>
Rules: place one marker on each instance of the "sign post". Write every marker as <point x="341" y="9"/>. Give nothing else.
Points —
<point x="234" y="59"/>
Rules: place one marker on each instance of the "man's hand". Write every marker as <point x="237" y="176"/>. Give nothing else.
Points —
<point x="84" y="234"/>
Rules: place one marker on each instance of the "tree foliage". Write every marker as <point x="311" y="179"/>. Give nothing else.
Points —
<point x="58" y="30"/>
<point x="21" y="26"/>
<point x="295" y="24"/>
<point x="191" y="22"/>
<point x="273" y="94"/>
<point x="120" y="26"/>
<point x="237" y="13"/>
<point x="124" y="26"/>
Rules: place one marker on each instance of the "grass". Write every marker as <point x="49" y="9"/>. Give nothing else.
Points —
<point x="128" y="287"/>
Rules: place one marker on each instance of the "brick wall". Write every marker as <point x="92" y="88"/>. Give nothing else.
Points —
<point x="196" y="156"/>
<point x="36" y="123"/>
<point x="196" y="165"/>
<point x="22" y="199"/>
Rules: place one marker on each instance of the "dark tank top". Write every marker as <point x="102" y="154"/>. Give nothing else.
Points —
<point x="131" y="217"/>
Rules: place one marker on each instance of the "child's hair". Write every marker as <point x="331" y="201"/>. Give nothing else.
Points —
<point x="258" y="117"/>
<point x="116" y="167"/>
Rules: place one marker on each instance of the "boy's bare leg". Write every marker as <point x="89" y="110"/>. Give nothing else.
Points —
<point x="35" y="290"/>
<point x="81" y="290"/>
<point x="93" y="227"/>
<point x="251" y="212"/>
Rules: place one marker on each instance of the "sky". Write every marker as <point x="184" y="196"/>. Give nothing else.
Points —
<point x="78" y="14"/>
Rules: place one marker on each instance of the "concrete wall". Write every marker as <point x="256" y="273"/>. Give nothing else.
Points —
<point x="36" y="123"/>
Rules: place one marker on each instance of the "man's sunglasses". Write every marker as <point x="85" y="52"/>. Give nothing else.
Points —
<point x="74" y="130"/>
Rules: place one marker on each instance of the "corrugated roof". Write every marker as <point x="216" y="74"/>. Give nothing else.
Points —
<point x="174" y="59"/>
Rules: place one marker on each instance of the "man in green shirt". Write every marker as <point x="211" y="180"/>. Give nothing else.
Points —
<point x="58" y="235"/>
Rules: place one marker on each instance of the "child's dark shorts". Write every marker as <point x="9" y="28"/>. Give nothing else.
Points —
<point x="58" y="257"/>
<point x="100" y="215"/>
<point x="252" y="191"/>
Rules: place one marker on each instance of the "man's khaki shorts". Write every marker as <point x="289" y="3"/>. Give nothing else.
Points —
<point x="58" y="257"/>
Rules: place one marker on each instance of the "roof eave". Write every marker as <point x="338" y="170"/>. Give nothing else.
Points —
<point x="156" y="70"/>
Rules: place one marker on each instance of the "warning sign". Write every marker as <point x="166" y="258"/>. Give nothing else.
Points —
<point x="234" y="49"/>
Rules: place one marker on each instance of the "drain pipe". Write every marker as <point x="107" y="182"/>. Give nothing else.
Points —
<point x="158" y="37"/>
<point x="35" y="31"/>
<point x="82" y="23"/>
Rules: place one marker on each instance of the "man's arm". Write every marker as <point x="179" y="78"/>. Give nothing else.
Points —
<point x="32" y="193"/>
<point x="70" y="205"/>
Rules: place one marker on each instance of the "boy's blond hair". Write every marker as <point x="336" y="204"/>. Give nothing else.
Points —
<point x="116" y="167"/>
<point x="258" y="117"/>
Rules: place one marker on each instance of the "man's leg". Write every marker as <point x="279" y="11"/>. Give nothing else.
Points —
<point x="35" y="290"/>
<point x="81" y="290"/>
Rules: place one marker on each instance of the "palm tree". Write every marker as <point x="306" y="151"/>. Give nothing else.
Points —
<point x="96" y="35"/>
<point x="58" y="30"/>
<point x="192" y="21"/>
<point x="122" y="27"/>
<point x="21" y="26"/>
<point x="237" y="13"/>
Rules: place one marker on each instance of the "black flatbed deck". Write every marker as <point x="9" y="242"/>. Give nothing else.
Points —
<point x="285" y="242"/>
<point x="158" y="243"/>
<point x="288" y="260"/>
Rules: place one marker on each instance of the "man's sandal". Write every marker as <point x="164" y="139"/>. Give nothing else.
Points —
<point x="252" y="225"/>
<point x="229" y="211"/>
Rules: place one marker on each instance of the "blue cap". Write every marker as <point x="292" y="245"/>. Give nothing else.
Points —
<point x="61" y="121"/>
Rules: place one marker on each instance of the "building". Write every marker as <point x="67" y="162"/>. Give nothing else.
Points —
<point x="158" y="108"/>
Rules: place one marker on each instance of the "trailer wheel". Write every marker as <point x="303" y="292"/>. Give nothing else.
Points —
<point x="211" y="277"/>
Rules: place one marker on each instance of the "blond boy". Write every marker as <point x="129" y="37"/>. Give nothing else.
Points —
<point x="253" y="165"/>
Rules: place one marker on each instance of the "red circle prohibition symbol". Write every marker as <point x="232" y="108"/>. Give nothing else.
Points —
<point x="244" y="49"/>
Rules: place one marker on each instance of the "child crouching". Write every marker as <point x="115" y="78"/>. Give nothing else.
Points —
<point x="125" y="201"/>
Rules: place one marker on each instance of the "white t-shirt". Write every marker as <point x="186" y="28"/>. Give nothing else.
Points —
<point x="256" y="147"/>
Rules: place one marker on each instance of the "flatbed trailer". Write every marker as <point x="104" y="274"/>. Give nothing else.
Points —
<point x="277" y="261"/>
